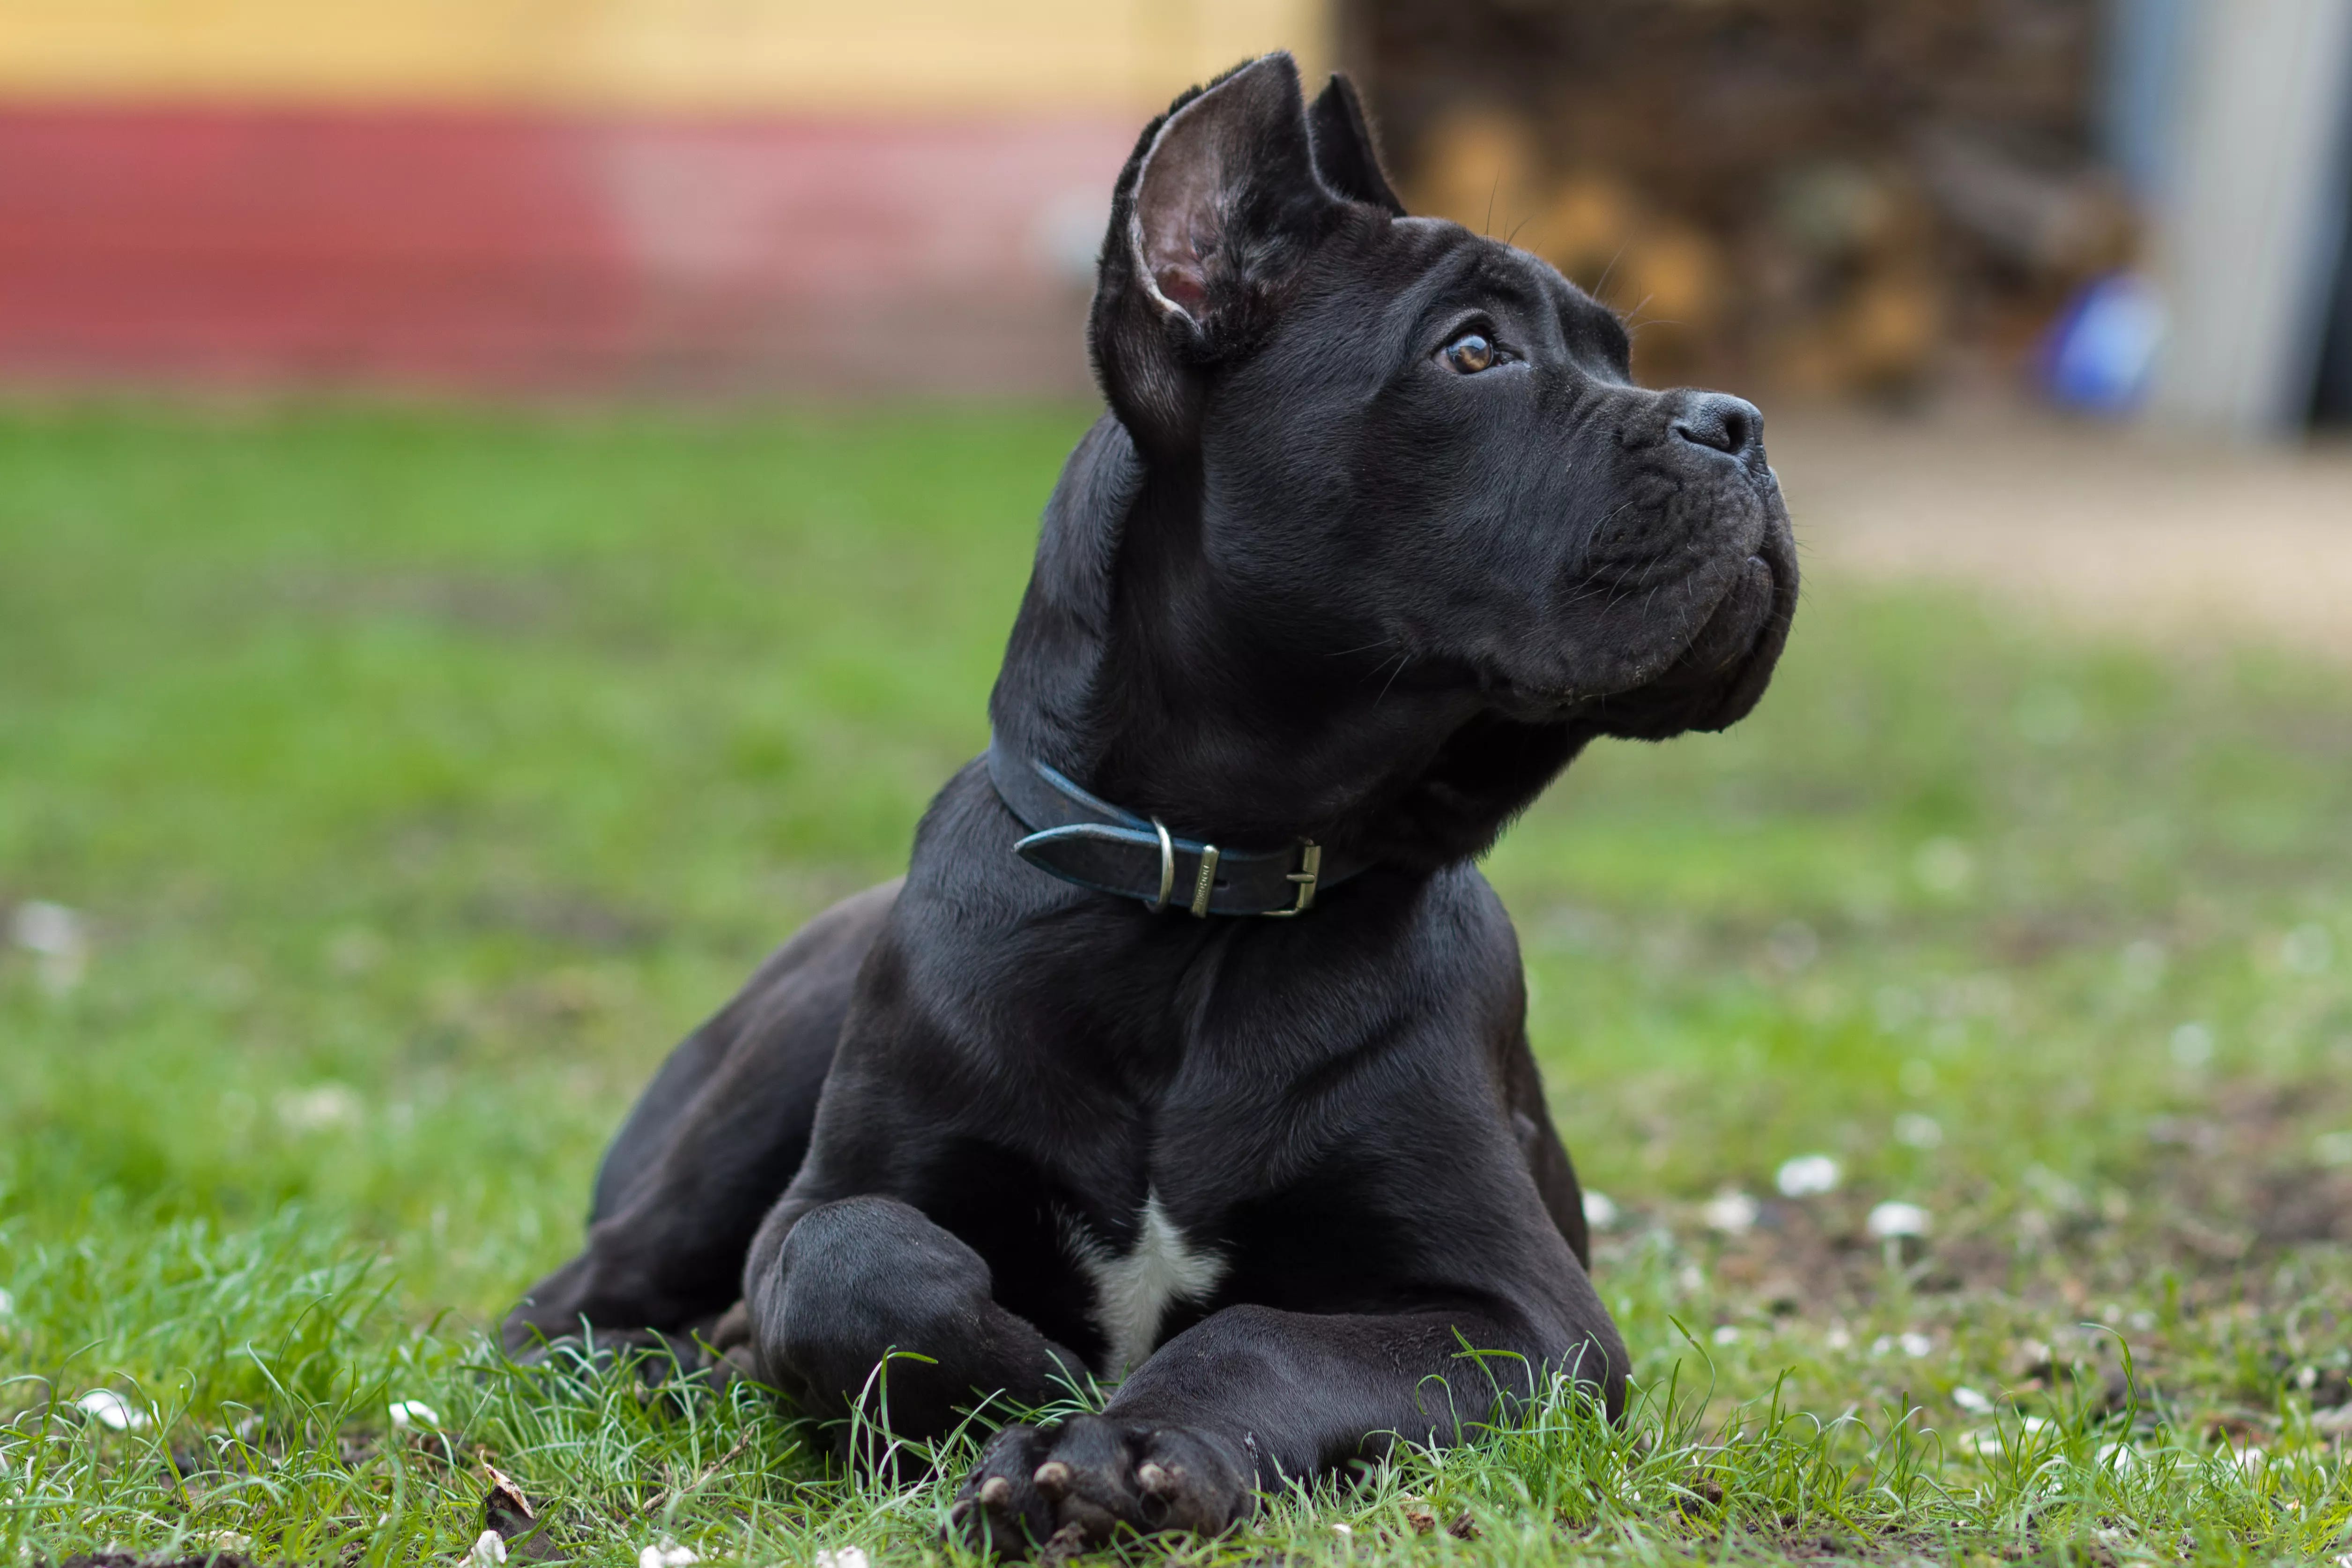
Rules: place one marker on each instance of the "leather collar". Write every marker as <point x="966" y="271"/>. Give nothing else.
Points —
<point x="1084" y="839"/>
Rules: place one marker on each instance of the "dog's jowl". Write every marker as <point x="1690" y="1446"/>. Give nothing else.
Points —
<point x="1190" y="1051"/>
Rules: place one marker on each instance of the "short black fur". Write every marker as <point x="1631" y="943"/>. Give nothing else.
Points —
<point x="1307" y="578"/>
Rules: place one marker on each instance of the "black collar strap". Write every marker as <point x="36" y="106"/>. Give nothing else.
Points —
<point x="1096" y="844"/>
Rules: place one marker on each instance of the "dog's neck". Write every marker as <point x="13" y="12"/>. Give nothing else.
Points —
<point x="1134" y="671"/>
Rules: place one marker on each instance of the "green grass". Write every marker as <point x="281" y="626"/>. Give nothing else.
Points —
<point x="418" y="778"/>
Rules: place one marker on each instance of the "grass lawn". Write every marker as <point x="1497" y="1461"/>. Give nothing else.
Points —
<point x="414" y="780"/>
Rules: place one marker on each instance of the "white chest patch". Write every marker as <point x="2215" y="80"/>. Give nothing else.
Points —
<point x="1134" y="1291"/>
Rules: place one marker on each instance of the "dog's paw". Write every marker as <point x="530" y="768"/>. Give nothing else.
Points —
<point x="1078" y="1484"/>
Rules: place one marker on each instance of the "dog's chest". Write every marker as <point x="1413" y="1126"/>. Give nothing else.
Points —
<point x="1134" y="1290"/>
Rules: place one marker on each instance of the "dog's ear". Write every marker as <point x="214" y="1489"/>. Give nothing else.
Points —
<point x="1215" y="212"/>
<point x="1345" y="153"/>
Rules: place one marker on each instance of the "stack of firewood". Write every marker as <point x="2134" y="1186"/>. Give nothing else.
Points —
<point x="1821" y="195"/>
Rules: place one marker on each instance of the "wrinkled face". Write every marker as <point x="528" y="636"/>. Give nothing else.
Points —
<point x="1440" y="433"/>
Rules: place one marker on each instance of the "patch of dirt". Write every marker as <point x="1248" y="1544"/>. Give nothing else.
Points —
<point x="2221" y="1202"/>
<point x="2144" y="531"/>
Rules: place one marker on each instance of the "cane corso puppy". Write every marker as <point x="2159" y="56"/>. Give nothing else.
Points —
<point x="1190" y="1050"/>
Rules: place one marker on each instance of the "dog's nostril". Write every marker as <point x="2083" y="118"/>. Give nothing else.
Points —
<point x="1726" y="423"/>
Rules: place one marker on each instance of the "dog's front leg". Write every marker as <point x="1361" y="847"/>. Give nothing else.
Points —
<point x="834" y="1288"/>
<point x="1253" y="1397"/>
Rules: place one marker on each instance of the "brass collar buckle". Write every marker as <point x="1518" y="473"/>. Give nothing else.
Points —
<point x="1309" y="872"/>
<point x="1310" y="867"/>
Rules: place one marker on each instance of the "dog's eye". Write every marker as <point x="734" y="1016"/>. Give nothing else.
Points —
<point x="1469" y="353"/>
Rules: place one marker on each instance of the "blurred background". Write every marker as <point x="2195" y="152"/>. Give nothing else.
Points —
<point x="508" y="507"/>
<point x="2118" y="203"/>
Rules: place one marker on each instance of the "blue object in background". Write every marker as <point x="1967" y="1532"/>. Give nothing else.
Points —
<point x="2099" y="353"/>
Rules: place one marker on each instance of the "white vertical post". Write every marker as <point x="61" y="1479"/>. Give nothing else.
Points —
<point x="2248" y="231"/>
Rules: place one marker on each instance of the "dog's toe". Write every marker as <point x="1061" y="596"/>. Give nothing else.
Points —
<point x="1000" y="1510"/>
<point x="1192" y="1481"/>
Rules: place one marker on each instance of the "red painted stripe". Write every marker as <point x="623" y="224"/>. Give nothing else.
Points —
<point x="497" y="251"/>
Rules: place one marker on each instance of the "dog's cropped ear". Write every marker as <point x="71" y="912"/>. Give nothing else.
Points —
<point x="1215" y="214"/>
<point x="1345" y="153"/>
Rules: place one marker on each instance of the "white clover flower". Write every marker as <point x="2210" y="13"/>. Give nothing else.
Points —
<point x="1600" y="1211"/>
<point x="110" y="1409"/>
<point x="1969" y="1400"/>
<point x="1914" y="1343"/>
<point x="1731" y="1211"/>
<point x="669" y="1553"/>
<point x="842" y="1557"/>
<point x="45" y="928"/>
<point x="413" y="1413"/>
<point x="1890" y="1220"/>
<point x="57" y="938"/>
<point x="1806" y="1175"/>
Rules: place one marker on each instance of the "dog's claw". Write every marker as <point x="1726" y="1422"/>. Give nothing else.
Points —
<point x="1053" y="1477"/>
<point x="995" y="1492"/>
<point x="1065" y="1544"/>
<point x="1151" y="1477"/>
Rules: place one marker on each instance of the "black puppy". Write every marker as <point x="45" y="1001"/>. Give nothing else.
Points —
<point x="1377" y="533"/>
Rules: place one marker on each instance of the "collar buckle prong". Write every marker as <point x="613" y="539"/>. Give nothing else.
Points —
<point x="1310" y="867"/>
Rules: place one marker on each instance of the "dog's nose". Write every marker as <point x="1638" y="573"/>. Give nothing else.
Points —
<point x="1720" y="420"/>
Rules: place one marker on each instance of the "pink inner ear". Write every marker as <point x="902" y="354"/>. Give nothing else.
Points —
<point x="1184" y="285"/>
<point x="1177" y="212"/>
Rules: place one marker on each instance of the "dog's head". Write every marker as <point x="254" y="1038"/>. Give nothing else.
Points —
<point x="1397" y="495"/>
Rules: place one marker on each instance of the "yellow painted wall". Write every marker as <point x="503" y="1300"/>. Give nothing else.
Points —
<point x="893" y="56"/>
